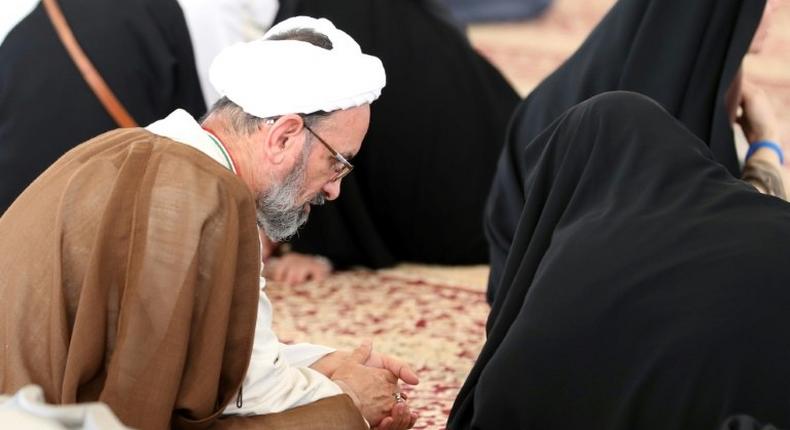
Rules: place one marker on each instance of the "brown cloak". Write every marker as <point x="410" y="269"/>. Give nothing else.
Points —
<point x="129" y="275"/>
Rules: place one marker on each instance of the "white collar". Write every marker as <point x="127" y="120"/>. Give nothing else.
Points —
<point x="181" y="127"/>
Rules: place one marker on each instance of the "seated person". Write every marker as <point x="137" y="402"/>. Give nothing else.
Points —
<point x="130" y="269"/>
<point x="646" y="287"/>
<point x="142" y="49"/>
<point x="419" y="187"/>
<point x="458" y="105"/>
<point x="684" y="55"/>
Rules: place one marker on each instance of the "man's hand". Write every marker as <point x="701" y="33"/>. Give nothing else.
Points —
<point x="294" y="268"/>
<point x="329" y="363"/>
<point x="394" y="365"/>
<point x="371" y="388"/>
<point x="400" y="417"/>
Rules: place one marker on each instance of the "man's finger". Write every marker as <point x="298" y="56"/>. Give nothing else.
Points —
<point x="400" y="416"/>
<point x="385" y="424"/>
<point x="361" y="353"/>
<point x="413" y="419"/>
<point x="401" y="370"/>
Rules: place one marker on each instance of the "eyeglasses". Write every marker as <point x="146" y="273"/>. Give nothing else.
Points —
<point x="344" y="168"/>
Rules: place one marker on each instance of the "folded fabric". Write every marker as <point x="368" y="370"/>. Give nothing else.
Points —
<point x="275" y="77"/>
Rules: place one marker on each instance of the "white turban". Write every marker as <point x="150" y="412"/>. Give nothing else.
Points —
<point x="269" y="78"/>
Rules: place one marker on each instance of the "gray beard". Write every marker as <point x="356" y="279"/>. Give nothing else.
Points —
<point x="278" y="212"/>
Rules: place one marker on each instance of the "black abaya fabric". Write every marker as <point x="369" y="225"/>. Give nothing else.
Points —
<point x="141" y="48"/>
<point x="646" y="287"/>
<point x="683" y="54"/>
<point x="420" y="182"/>
<point x="742" y="422"/>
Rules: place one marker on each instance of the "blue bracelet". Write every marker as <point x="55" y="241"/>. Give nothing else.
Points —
<point x="766" y="144"/>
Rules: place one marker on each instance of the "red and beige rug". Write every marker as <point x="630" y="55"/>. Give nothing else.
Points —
<point x="434" y="317"/>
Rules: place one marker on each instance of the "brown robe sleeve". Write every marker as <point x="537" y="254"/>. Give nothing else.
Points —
<point x="130" y="276"/>
<point x="331" y="413"/>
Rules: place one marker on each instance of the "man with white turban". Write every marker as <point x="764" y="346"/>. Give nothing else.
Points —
<point x="129" y="270"/>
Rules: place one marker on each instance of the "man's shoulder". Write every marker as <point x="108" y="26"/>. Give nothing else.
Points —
<point x="152" y="154"/>
<point x="143" y="142"/>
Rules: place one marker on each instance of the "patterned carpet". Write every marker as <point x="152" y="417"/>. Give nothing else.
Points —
<point x="435" y="316"/>
<point x="432" y="317"/>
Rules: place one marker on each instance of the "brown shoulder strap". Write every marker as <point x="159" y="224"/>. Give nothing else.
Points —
<point x="88" y="71"/>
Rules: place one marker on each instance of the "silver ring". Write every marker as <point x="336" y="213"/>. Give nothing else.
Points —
<point x="399" y="397"/>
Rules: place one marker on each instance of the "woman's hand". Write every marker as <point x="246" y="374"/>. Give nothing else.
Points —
<point x="294" y="268"/>
<point x="758" y="119"/>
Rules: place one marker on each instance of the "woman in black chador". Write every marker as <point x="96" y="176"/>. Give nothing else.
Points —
<point x="646" y="286"/>
<point x="686" y="55"/>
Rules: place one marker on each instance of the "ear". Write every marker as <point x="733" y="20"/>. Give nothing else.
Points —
<point x="285" y="137"/>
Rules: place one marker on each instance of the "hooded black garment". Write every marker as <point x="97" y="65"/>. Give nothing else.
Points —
<point x="420" y="182"/>
<point x="646" y="287"/>
<point x="140" y="47"/>
<point x="683" y="54"/>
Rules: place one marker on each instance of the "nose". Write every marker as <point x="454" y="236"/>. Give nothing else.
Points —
<point x="332" y="189"/>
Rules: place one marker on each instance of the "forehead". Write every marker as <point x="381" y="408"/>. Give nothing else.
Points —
<point x="356" y="116"/>
<point x="345" y="129"/>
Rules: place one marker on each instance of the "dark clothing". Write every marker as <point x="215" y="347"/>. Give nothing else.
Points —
<point x="646" y="287"/>
<point x="744" y="423"/>
<point x="420" y="182"/>
<point x="682" y="54"/>
<point x="141" y="48"/>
